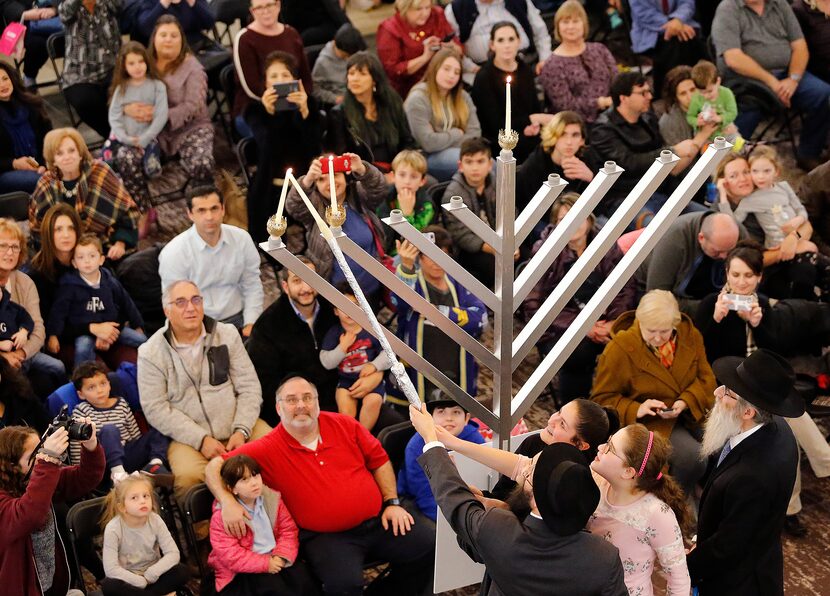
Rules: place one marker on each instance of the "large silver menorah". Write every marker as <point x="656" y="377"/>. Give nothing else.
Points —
<point x="508" y="352"/>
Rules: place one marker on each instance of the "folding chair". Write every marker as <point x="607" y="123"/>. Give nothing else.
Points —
<point x="198" y="507"/>
<point x="56" y="48"/>
<point x="394" y="440"/>
<point x="246" y="155"/>
<point x="15" y="205"/>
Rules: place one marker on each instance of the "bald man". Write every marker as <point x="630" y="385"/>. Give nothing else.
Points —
<point x="688" y="261"/>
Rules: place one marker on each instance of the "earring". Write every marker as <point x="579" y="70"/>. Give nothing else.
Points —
<point x="374" y="88"/>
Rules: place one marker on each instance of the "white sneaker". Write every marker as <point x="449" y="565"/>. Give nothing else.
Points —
<point x="118" y="477"/>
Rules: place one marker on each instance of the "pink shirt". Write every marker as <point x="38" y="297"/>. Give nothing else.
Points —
<point x="642" y="530"/>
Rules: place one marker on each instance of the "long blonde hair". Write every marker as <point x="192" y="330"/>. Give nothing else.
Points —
<point x="455" y="97"/>
<point x="115" y="498"/>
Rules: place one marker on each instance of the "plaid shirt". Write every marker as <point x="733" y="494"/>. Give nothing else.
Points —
<point x="92" y="40"/>
<point x="104" y="205"/>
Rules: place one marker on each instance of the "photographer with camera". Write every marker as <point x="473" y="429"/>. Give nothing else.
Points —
<point x="33" y="558"/>
<point x="738" y="320"/>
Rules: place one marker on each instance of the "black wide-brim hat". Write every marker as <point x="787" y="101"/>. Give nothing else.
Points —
<point x="565" y="492"/>
<point x="764" y="379"/>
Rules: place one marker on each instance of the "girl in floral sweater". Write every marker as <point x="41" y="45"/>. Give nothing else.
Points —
<point x="641" y="509"/>
<point x="263" y="560"/>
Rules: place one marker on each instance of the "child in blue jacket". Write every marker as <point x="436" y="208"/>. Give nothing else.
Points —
<point x="15" y="323"/>
<point x="412" y="482"/>
<point x="88" y="296"/>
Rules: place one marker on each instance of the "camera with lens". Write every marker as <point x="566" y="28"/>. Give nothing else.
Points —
<point x="78" y="431"/>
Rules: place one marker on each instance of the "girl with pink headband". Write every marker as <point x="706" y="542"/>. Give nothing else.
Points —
<point x="642" y="511"/>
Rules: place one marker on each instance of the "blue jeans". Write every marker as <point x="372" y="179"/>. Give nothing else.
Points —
<point x="85" y="344"/>
<point x="242" y="127"/>
<point x="15" y="180"/>
<point x="45" y="27"/>
<point x="135" y="454"/>
<point x="812" y="96"/>
<point x="443" y="164"/>
<point x="44" y="364"/>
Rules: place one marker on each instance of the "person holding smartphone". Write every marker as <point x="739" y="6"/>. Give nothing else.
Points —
<point x="285" y="111"/>
<point x="654" y="371"/>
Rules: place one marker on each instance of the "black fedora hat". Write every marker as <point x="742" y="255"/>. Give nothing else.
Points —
<point x="764" y="379"/>
<point x="565" y="492"/>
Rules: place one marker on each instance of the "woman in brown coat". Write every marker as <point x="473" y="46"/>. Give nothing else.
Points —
<point x="654" y="371"/>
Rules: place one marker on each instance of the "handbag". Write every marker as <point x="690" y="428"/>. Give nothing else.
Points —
<point x="11" y="44"/>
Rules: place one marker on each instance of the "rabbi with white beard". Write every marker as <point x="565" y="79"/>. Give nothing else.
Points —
<point x="745" y="500"/>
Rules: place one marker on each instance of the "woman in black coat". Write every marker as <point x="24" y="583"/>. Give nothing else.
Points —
<point x="285" y="138"/>
<point x="23" y="124"/>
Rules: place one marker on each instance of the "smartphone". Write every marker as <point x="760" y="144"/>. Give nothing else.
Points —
<point x="738" y="302"/>
<point x="448" y="38"/>
<point x="282" y="90"/>
<point x="340" y="164"/>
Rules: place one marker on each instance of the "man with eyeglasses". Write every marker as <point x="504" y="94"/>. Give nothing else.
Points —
<point x="755" y="457"/>
<point x="339" y="485"/>
<point x="629" y="135"/>
<point x="197" y="386"/>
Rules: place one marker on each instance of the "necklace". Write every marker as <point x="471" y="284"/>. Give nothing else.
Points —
<point x="69" y="194"/>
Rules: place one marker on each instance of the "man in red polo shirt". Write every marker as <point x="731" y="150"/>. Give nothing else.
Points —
<point x="339" y="485"/>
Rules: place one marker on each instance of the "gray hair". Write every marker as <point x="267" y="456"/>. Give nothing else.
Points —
<point x="165" y="294"/>
<point x="761" y="416"/>
<point x="295" y="378"/>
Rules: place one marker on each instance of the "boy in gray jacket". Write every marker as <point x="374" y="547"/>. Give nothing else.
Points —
<point x="329" y="72"/>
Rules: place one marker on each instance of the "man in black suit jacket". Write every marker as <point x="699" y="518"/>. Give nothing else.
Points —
<point x="745" y="500"/>
<point x="548" y="553"/>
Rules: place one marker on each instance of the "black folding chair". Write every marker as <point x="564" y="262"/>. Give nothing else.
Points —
<point x="15" y="205"/>
<point x="246" y="155"/>
<point x="198" y="508"/>
<point x="56" y="48"/>
<point x="394" y="440"/>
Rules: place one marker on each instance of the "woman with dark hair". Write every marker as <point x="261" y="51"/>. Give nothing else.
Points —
<point x="298" y="120"/>
<point x="489" y="98"/>
<point x="91" y="187"/>
<point x="577" y="372"/>
<point x="92" y="43"/>
<point x="580" y="422"/>
<point x="60" y="229"/>
<point x="677" y="93"/>
<point x="18" y="404"/>
<point x="441" y="114"/>
<point x="23" y="124"/>
<point x="32" y="554"/>
<point x="371" y="121"/>
<point x="188" y="133"/>
<point x="577" y="76"/>
<point x="360" y="195"/>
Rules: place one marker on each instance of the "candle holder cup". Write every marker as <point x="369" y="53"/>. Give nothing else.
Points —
<point x="335" y="218"/>
<point x="508" y="139"/>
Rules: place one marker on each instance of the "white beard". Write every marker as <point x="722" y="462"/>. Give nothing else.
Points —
<point x="721" y="425"/>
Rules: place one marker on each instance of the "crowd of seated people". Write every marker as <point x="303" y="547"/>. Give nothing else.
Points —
<point x="275" y="399"/>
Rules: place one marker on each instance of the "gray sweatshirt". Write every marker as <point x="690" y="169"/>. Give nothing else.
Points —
<point x="772" y="207"/>
<point x="435" y="136"/>
<point x="151" y="92"/>
<point x="329" y="75"/>
<point x="134" y="555"/>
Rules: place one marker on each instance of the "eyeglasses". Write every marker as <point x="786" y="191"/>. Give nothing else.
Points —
<point x="643" y="92"/>
<point x="181" y="303"/>
<point x="723" y="391"/>
<point x="609" y="448"/>
<point x="264" y="7"/>
<point x="4" y="248"/>
<point x="292" y="401"/>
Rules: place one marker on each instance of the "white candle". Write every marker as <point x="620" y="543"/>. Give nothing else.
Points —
<point x="324" y="229"/>
<point x="331" y="184"/>
<point x="507" y="110"/>
<point x="282" y="195"/>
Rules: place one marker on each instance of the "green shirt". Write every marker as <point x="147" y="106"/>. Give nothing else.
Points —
<point x="725" y="106"/>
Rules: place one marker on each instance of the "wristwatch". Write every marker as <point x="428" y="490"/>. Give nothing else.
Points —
<point x="390" y="502"/>
<point x="796" y="77"/>
<point x="243" y="432"/>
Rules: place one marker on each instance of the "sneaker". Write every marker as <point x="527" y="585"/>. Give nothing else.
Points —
<point x="794" y="527"/>
<point x="160" y="474"/>
<point x="118" y="477"/>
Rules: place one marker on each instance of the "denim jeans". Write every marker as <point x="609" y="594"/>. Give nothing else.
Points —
<point x="812" y="96"/>
<point x="15" y="180"/>
<point x="85" y="344"/>
<point x="443" y="164"/>
<point x="44" y="364"/>
<point x="133" y="455"/>
<point x="242" y="127"/>
<point x="45" y="27"/>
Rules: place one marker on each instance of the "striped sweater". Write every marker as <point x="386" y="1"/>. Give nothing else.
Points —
<point x="120" y="415"/>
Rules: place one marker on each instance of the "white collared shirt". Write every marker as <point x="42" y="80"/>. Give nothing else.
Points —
<point x="736" y="440"/>
<point x="227" y="274"/>
<point x="191" y="354"/>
